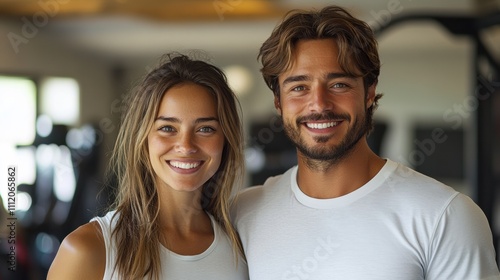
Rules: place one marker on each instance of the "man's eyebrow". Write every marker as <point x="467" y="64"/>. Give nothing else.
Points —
<point x="298" y="78"/>
<point x="176" y="120"/>
<point x="329" y="76"/>
<point x="336" y="75"/>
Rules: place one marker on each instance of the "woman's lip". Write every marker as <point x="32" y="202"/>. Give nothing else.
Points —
<point x="185" y="166"/>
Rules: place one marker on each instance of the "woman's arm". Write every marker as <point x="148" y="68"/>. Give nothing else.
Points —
<point x="82" y="255"/>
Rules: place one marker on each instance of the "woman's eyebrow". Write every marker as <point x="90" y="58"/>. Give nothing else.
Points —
<point x="177" y="120"/>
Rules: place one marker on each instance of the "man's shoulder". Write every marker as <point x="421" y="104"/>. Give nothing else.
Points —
<point x="255" y="196"/>
<point x="256" y="193"/>
<point x="418" y="182"/>
<point x="414" y="189"/>
<point x="271" y="185"/>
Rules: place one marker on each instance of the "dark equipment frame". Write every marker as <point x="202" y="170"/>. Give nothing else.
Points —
<point x="486" y="145"/>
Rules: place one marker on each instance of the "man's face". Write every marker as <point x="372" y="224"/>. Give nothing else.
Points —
<point x="323" y="108"/>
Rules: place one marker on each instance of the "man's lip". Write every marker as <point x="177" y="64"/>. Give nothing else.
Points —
<point x="322" y="124"/>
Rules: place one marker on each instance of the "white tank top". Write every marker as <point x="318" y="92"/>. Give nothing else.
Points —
<point x="217" y="262"/>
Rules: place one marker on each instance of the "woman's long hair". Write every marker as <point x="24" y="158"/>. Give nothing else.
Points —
<point x="137" y="234"/>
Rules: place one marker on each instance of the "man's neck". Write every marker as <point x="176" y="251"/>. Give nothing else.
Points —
<point x="341" y="177"/>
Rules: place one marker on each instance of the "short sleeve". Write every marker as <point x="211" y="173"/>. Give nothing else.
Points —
<point x="462" y="246"/>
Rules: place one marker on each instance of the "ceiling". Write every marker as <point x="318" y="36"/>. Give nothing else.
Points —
<point x="132" y="28"/>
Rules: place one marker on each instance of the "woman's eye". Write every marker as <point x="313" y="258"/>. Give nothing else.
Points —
<point x="206" y="129"/>
<point x="167" y="129"/>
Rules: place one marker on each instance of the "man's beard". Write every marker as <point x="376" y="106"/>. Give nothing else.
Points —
<point x="322" y="157"/>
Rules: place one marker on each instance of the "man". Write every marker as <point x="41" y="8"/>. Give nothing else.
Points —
<point x="344" y="212"/>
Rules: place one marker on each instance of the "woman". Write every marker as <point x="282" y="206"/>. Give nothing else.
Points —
<point x="176" y="158"/>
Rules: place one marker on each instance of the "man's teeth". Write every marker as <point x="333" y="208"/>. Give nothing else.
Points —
<point x="321" y="125"/>
<point x="184" y="165"/>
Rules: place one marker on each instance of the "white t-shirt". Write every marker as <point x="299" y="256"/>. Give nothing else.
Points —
<point x="399" y="225"/>
<point x="215" y="263"/>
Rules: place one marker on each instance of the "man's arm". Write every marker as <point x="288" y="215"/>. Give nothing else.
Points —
<point x="462" y="245"/>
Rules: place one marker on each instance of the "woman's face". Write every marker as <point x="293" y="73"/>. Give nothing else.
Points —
<point x="186" y="140"/>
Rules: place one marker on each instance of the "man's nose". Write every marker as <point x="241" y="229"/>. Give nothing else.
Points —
<point x="320" y="99"/>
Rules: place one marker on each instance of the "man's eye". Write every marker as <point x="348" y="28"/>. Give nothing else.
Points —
<point x="299" y="88"/>
<point x="339" y="85"/>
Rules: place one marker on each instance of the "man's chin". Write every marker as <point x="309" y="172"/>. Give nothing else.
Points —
<point x="316" y="153"/>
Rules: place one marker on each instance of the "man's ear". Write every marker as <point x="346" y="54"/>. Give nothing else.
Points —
<point x="277" y="104"/>
<point x="370" y="95"/>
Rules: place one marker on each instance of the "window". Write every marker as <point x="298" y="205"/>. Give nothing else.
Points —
<point x="26" y="129"/>
<point x="60" y="100"/>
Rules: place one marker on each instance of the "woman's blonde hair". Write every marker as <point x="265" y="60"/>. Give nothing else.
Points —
<point x="137" y="235"/>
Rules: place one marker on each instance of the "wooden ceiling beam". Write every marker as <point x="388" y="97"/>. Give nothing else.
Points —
<point x="187" y="10"/>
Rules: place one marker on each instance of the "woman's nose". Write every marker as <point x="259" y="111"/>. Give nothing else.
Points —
<point x="185" y="144"/>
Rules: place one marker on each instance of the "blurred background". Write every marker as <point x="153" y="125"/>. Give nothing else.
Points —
<point x="66" y="64"/>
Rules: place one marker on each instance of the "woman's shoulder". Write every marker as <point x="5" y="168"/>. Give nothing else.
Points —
<point x="82" y="255"/>
<point x="85" y="239"/>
